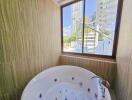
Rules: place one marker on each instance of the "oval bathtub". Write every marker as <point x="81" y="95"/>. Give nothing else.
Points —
<point x="65" y="83"/>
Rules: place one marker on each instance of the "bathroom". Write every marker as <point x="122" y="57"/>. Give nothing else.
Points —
<point x="32" y="42"/>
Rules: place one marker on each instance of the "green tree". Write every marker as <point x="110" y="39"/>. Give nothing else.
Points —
<point x="73" y="36"/>
<point x="101" y="37"/>
<point x="67" y="39"/>
<point x="106" y="32"/>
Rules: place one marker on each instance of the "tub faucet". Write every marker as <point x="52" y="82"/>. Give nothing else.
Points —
<point x="102" y="82"/>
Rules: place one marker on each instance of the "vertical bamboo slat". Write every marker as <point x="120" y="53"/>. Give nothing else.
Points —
<point x="103" y="68"/>
<point x="29" y="42"/>
<point x="124" y="55"/>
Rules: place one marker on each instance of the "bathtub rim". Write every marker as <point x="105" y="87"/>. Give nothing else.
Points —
<point x="33" y="80"/>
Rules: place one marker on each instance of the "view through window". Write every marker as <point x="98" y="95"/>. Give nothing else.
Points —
<point x="89" y="27"/>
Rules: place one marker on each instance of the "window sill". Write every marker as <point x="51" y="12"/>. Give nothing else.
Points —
<point x="91" y="57"/>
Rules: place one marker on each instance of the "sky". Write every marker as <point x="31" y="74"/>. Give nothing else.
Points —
<point x="90" y="8"/>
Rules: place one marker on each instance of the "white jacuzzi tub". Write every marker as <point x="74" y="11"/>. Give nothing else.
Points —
<point x="65" y="83"/>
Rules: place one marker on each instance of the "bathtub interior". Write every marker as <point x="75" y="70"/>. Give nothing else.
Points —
<point x="64" y="83"/>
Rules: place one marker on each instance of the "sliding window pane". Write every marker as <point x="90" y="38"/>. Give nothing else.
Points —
<point x="72" y="27"/>
<point x="99" y="30"/>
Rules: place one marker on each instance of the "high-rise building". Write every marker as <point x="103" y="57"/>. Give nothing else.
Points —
<point x="77" y="16"/>
<point x="106" y="14"/>
<point x="106" y="20"/>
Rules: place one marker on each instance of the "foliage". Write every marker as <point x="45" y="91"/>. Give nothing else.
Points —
<point x="106" y="32"/>
<point x="87" y="30"/>
<point x="73" y="36"/>
<point x="66" y="39"/>
<point x="101" y="37"/>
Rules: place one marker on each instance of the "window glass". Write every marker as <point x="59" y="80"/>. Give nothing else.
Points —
<point x="100" y="20"/>
<point x="72" y="27"/>
<point x="95" y="33"/>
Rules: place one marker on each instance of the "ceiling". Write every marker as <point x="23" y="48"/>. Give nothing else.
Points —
<point x="62" y="2"/>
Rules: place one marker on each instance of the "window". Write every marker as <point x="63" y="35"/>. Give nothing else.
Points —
<point x="90" y="27"/>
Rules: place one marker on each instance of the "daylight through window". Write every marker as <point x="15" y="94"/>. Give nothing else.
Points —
<point x="88" y="27"/>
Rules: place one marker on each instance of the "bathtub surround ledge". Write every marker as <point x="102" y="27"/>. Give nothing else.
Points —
<point x="105" y="68"/>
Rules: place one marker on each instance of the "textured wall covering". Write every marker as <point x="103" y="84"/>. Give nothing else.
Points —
<point x="29" y="42"/>
<point x="124" y="55"/>
<point x="101" y="67"/>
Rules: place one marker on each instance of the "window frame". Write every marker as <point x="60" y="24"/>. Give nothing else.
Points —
<point x="117" y="28"/>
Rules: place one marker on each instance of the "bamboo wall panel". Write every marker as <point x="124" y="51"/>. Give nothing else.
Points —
<point x="124" y="55"/>
<point x="101" y="67"/>
<point x="29" y="42"/>
<point x="130" y="80"/>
